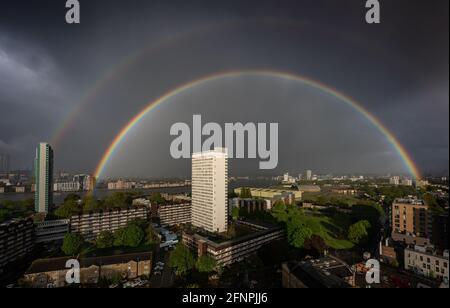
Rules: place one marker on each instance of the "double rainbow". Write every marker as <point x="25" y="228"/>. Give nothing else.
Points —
<point x="404" y="155"/>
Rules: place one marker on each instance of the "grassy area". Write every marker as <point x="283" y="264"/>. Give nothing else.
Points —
<point x="330" y="199"/>
<point x="332" y="229"/>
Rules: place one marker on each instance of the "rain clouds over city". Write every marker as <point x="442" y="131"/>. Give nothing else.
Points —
<point x="76" y="86"/>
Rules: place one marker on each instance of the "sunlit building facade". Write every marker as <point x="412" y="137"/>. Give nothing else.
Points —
<point x="210" y="190"/>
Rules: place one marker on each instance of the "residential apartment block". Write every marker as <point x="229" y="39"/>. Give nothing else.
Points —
<point x="90" y="225"/>
<point x="52" y="230"/>
<point x="210" y="190"/>
<point x="16" y="240"/>
<point x="237" y="249"/>
<point x="411" y="221"/>
<point x="424" y="260"/>
<point x="175" y="213"/>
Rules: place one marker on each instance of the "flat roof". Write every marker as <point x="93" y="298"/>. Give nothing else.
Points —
<point x="254" y="230"/>
<point x="410" y="201"/>
<point x="326" y="272"/>
<point x="56" y="264"/>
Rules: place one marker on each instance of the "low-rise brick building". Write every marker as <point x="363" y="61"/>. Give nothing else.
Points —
<point x="51" y="273"/>
<point x="16" y="240"/>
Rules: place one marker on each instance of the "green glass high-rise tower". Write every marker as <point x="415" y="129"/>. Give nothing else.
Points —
<point x="43" y="169"/>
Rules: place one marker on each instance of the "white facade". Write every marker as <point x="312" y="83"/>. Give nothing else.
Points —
<point x="423" y="260"/>
<point x="66" y="186"/>
<point x="210" y="190"/>
<point x="79" y="182"/>
<point x="308" y="175"/>
<point x="121" y="185"/>
<point x="395" y="180"/>
<point x="407" y="182"/>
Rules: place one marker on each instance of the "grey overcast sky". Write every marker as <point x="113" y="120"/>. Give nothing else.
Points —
<point x="125" y="54"/>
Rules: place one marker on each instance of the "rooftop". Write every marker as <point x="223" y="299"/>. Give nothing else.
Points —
<point x="244" y="231"/>
<point x="56" y="264"/>
<point x="411" y="201"/>
<point x="326" y="272"/>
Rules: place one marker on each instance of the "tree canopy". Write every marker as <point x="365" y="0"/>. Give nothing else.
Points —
<point x="105" y="240"/>
<point x="235" y="213"/>
<point x="358" y="233"/>
<point x="181" y="259"/>
<point x="73" y="243"/>
<point x="14" y="209"/>
<point x="132" y="235"/>
<point x="206" y="264"/>
<point x="157" y="198"/>
<point x="245" y="193"/>
<point x="67" y="209"/>
<point x="151" y="236"/>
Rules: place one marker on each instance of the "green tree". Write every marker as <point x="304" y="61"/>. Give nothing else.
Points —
<point x="134" y="235"/>
<point x="118" y="200"/>
<point x="245" y="193"/>
<point x="206" y="264"/>
<point x="151" y="236"/>
<point x="119" y="237"/>
<point x="373" y="213"/>
<point x="358" y="233"/>
<point x="91" y="204"/>
<point x="431" y="201"/>
<point x="72" y="244"/>
<point x="235" y="213"/>
<point x="104" y="240"/>
<point x="157" y="198"/>
<point x="181" y="259"/>
<point x="279" y="211"/>
<point x="298" y="234"/>
<point x="67" y="209"/>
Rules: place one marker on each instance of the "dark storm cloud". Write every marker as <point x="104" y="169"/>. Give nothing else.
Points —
<point x="398" y="69"/>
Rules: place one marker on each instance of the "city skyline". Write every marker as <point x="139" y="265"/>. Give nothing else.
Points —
<point x="231" y="151"/>
<point x="84" y="102"/>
